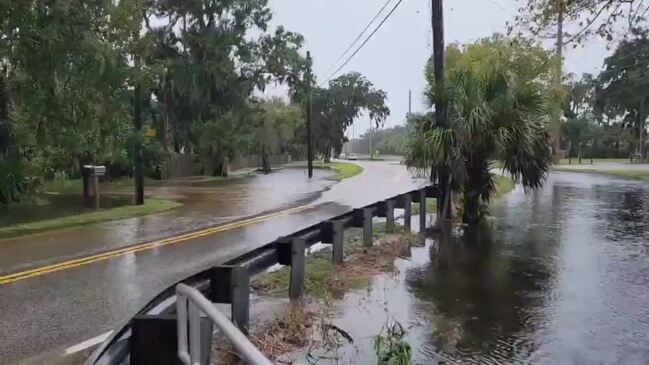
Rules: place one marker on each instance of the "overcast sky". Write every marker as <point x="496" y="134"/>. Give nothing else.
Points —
<point x="395" y="57"/>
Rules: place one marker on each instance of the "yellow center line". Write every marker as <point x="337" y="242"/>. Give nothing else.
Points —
<point x="142" y="247"/>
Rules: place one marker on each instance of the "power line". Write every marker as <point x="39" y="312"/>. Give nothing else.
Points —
<point x="365" y="42"/>
<point x="359" y="36"/>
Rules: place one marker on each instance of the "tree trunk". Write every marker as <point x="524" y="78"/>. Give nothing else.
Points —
<point x="641" y="133"/>
<point x="475" y="189"/>
<point x="265" y="161"/>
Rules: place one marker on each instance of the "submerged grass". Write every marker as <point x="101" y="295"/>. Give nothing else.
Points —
<point x="325" y="280"/>
<point x="306" y="324"/>
<point x="150" y="206"/>
<point x="642" y="175"/>
<point x="345" y="170"/>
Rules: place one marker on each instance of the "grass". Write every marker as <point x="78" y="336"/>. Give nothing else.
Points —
<point x="150" y="206"/>
<point x="323" y="279"/>
<point x="344" y="170"/>
<point x="642" y="175"/>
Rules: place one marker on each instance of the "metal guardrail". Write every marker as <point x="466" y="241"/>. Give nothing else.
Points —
<point x="230" y="282"/>
<point x="189" y="305"/>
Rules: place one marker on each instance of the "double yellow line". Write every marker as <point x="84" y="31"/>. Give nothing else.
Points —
<point x="142" y="247"/>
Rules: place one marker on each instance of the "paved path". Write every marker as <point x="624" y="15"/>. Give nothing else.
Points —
<point x="57" y="307"/>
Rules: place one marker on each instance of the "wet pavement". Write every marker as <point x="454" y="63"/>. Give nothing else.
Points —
<point x="205" y="204"/>
<point x="606" y="166"/>
<point x="41" y="316"/>
<point x="559" y="277"/>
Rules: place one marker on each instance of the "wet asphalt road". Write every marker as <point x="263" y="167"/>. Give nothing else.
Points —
<point x="204" y="205"/>
<point x="41" y="316"/>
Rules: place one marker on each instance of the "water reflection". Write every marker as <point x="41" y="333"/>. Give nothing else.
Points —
<point x="479" y="299"/>
<point x="560" y="277"/>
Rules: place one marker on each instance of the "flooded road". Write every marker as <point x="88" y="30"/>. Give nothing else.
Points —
<point x="43" y="318"/>
<point x="205" y="204"/>
<point x="559" y="277"/>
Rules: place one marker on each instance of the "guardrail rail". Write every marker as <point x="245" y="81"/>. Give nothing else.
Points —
<point x="170" y="328"/>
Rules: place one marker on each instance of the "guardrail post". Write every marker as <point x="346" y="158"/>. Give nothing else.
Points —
<point x="231" y="285"/>
<point x="422" y="210"/>
<point x="419" y="196"/>
<point x="333" y="233"/>
<point x="154" y="340"/>
<point x="404" y="202"/>
<point x="291" y="253"/>
<point x="389" y="215"/>
<point x="363" y="218"/>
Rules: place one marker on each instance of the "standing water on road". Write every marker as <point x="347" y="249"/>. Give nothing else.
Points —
<point x="558" y="277"/>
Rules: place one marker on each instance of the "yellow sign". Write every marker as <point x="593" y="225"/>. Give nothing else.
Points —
<point x="150" y="132"/>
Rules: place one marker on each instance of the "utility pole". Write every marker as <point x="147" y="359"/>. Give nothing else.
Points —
<point x="443" y="205"/>
<point x="369" y="133"/>
<point x="556" y="127"/>
<point x="137" y="148"/>
<point x="309" y="143"/>
<point x="409" y="102"/>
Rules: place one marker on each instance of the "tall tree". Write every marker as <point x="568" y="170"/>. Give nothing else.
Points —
<point x="622" y="86"/>
<point x="335" y="109"/>
<point x="216" y="53"/>
<point x="497" y="93"/>
<point x="274" y="124"/>
<point x="571" y="22"/>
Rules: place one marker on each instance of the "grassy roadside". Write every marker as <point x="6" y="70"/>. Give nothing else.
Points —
<point x="344" y="170"/>
<point x="504" y="185"/>
<point x="324" y="280"/>
<point x="626" y="174"/>
<point x="306" y="323"/>
<point x="150" y="206"/>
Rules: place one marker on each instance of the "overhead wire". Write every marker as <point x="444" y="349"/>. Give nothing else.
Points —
<point x="376" y="16"/>
<point x="385" y="19"/>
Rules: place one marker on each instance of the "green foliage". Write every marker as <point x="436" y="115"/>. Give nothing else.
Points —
<point x="336" y="107"/>
<point x="345" y="170"/>
<point x="603" y="18"/>
<point x="72" y="71"/>
<point x="13" y="183"/>
<point x="497" y="110"/>
<point x="391" y="141"/>
<point x="390" y="346"/>
<point x="274" y="126"/>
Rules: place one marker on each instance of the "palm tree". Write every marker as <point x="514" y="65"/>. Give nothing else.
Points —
<point x="497" y="93"/>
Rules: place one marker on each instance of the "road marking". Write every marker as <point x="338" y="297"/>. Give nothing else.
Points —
<point x="65" y="265"/>
<point x="87" y="343"/>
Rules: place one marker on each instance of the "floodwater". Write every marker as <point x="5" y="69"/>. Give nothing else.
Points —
<point x="558" y="277"/>
<point x="204" y="204"/>
<point x="51" y="206"/>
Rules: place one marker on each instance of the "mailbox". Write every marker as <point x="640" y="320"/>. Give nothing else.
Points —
<point x="92" y="170"/>
<point x="91" y="174"/>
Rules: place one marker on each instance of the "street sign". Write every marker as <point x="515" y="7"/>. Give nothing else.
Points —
<point x="150" y="132"/>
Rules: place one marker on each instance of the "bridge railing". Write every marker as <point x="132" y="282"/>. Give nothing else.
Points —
<point x="151" y="337"/>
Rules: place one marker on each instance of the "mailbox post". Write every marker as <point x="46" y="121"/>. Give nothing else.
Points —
<point x="91" y="174"/>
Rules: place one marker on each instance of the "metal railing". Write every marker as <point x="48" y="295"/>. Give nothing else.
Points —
<point x="189" y="305"/>
<point x="228" y="283"/>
